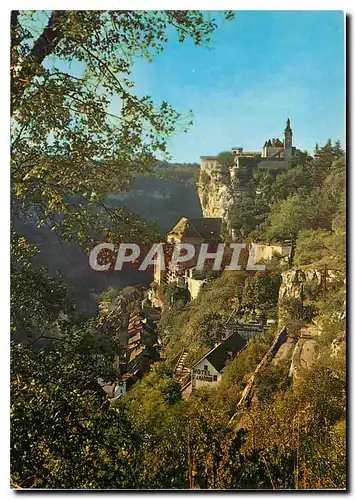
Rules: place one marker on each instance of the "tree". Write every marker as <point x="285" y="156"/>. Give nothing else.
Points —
<point x="261" y="291"/>
<point x="338" y="149"/>
<point x="225" y="159"/>
<point x="311" y="246"/>
<point x="324" y="156"/>
<point x="37" y="299"/>
<point x="243" y="216"/>
<point x="69" y="150"/>
<point x="174" y="293"/>
<point x="294" y="214"/>
<point x="61" y="434"/>
<point x="212" y="328"/>
<point x="302" y="157"/>
<point x="300" y="179"/>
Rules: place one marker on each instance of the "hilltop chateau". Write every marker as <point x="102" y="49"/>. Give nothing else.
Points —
<point x="275" y="155"/>
<point x="217" y="185"/>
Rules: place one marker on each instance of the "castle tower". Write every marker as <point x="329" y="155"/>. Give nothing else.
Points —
<point x="288" y="141"/>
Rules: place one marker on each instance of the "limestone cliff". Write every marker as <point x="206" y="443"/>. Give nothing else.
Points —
<point x="298" y="353"/>
<point x="303" y="284"/>
<point x="213" y="190"/>
<point x="294" y="278"/>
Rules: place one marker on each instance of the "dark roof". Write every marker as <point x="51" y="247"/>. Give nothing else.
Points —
<point x="226" y="350"/>
<point x="206" y="227"/>
<point x="288" y="127"/>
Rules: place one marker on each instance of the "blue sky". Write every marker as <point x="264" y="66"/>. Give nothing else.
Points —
<point x="260" y="68"/>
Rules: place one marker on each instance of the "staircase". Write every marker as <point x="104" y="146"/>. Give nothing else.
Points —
<point x="180" y="370"/>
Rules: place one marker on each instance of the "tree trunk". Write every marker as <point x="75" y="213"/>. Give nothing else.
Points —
<point x="43" y="46"/>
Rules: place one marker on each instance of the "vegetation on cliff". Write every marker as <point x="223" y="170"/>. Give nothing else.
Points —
<point x="65" y="434"/>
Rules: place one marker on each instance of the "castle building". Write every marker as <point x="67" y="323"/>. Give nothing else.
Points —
<point x="221" y="184"/>
<point x="275" y="155"/>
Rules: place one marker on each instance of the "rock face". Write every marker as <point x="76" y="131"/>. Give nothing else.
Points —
<point x="213" y="190"/>
<point x="161" y="200"/>
<point x="247" y="394"/>
<point x="302" y="357"/>
<point x="295" y="282"/>
<point x="294" y="278"/>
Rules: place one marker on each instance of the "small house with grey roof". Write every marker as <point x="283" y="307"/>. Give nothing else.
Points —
<point x="208" y="370"/>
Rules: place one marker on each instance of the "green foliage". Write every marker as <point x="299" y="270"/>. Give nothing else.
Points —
<point x="174" y="293"/>
<point x="244" y="216"/>
<point x="296" y="310"/>
<point x="37" y="299"/>
<point x="68" y="148"/>
<point x="295" y="213"/>
<point x="185" y="172"/>
<point x="237" y="372"/>
<point x="306" y="423"/>
<point x="211" y="327"/>
<point x="321" y="246"/>
<point x="226" y="160"/>
<point x="271" y="380"/>
<point x="202" y="321"/>
<point x="299" y="179"/>
<point x="311" y="246"/>
<point x="261" y="290"/>
<point x="109" y="295"/>
<point x="60" y="435"/>
<point x="68" y="152"/>
<point x="281" y="207"/>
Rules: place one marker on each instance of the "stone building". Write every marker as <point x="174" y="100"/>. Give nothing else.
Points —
<point x="192" y="230"/>
<point x="275" y="154"/>
<point x="217" y="186"/>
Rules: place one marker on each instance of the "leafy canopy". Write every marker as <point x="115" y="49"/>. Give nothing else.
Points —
<point x="69" y="148"/>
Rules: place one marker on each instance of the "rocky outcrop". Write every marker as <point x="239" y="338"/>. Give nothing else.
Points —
<point x="302" y="357"/>
<point x="213" y="191"/>
<point x="302" y="284"/>
<point x="279" y="340"/>
<point x="294" y="278"/>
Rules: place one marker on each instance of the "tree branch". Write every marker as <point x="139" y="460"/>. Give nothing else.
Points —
<point x="43" y="46"/>
<point x="49" y="39"/>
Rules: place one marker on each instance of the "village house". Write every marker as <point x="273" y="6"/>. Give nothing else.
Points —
<point x="192" y="230"/>
<point x="193" y="283"/>
<point x="208" y="370"/>
<point x="263" y="253"/>
<point x="139" y="353"/>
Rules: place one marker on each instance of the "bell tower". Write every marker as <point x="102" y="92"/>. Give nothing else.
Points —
<point x="288" y="141"/>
